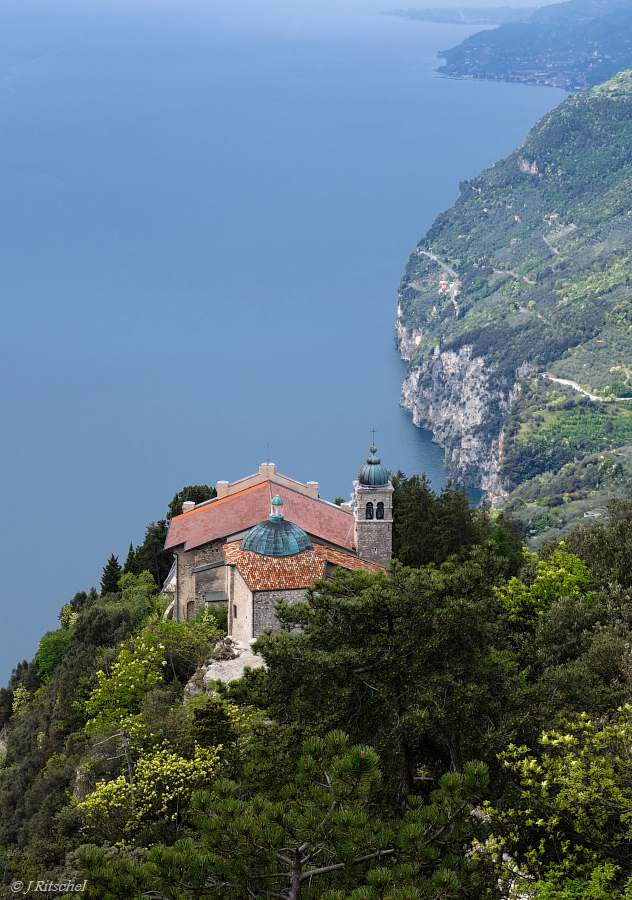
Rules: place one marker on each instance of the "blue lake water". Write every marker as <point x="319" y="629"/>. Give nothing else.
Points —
<point x="205" y="211"/>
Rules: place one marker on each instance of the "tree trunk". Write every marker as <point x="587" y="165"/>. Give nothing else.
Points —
<point x="296" y="882"/>
<point x="407" y="777"/>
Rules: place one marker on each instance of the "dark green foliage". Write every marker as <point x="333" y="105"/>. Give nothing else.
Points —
<point x="111" y="574"/>
<point x="319" y="838"/>
<point x="607" y="549"/>
<point x="430" y="527"/>
<point x="423" y="668"/>
<point x="506" y="537"/>
<point x="129" y="565"/>
<point x="151" y="556"/>
<point x="196" y="492"/>
<point x="23" y="673"/>
<point x="402" y="663"/>
<point x="220" y="614"/>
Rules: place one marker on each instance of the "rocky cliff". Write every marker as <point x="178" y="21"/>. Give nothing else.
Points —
<point x="527" y="275"/>
<point x="450" y="395"/>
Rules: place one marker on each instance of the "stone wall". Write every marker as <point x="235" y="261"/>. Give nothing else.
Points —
<point x="211" y="580"/>
<point x="192" y="587"/>
<point x="264" y="602"/>
<point x="208" y="554"/>
<point x="185" y="563"/>
<point x="239" y="607"/>
<point x="374" y="537"/>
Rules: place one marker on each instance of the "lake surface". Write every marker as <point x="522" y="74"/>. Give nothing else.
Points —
<point x="205" y="211"/>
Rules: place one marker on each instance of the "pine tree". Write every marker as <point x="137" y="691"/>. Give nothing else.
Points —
<point x="400" y="663"/>
<point x="111" y="574"/>
<point x="320" y="838"/>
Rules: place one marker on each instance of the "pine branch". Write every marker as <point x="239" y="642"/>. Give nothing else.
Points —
<point x="324" y="870"/>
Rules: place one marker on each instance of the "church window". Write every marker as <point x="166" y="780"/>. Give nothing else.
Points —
<point x="379" y="512"/>
<point x="369" y="511"/>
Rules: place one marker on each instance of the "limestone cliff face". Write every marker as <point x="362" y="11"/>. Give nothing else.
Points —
<point x="407" y="340"/>
<point x="451" y="395"/>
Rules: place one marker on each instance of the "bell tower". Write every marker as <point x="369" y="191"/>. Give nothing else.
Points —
<point x="373" y="512"/>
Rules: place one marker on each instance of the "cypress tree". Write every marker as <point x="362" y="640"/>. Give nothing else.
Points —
<point x="111" y="574"/>
<point x="151" y="555"/>
<point x="130" y="561"/>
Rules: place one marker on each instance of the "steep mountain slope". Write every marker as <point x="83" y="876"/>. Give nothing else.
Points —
<point x="525" y="280"/>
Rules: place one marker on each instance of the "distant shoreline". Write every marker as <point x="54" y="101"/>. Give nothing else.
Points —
<point x="456" y="15"/>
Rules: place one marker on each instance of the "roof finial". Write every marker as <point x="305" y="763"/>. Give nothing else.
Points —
<point x="268" y="454"/>
<point x="276" y="510"/>
<point x="373" y="447"/>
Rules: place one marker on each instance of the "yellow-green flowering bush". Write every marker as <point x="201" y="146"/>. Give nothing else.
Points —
<point x="572" y="816"/>
<point x="163" y="784"/>
<point x="136" y="671"/>
<point x="562" y="575"/>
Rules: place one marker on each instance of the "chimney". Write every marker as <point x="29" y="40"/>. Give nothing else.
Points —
<point x="188" y="505"/>
<point x="222" y="489"/>
<point x="312" y="489"/>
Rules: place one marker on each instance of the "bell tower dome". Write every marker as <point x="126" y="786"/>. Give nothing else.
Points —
<point x="373" y="511"/>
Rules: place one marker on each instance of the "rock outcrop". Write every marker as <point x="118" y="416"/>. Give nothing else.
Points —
<point x="407" y="341"/>
<point x="452" y="394"/>
<point x="227" y="663"/>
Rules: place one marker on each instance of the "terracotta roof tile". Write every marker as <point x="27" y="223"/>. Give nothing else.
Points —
<point x="270" y="573"/>
<point x="345" y="560"/>
<point x="239" y="512"/>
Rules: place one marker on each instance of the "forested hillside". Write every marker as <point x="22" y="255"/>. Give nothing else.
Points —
<point x="575" y="45"/>
<point x="522" y="285"/>
<point x="437" y="731"/>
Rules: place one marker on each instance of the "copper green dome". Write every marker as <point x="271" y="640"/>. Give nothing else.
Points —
<point x="373" y="473"/>
<point x="276" y="537"/>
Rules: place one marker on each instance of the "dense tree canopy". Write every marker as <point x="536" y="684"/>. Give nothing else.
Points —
<point x="380" y="693"/>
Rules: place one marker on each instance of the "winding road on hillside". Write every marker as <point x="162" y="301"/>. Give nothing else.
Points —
<point x="453" y="284"/>
<point x="576" y="387"/>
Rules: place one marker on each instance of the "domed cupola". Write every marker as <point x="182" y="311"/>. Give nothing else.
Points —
<point x="276" y="537"/>
<point x="373" y="473"/>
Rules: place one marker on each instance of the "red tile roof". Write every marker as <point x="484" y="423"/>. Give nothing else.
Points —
<point x="239" y="512"/>
<point x="278" y="573"/>
<point x="275" y="573"/>
<point x="345" y="560"/>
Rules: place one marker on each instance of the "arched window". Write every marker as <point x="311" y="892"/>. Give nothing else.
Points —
<point x="379" y="512"/>
<point x="369" y="510"/>
<point x="190" y="610"/>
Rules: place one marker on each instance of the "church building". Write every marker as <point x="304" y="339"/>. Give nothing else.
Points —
<point x="268" y="537"/>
